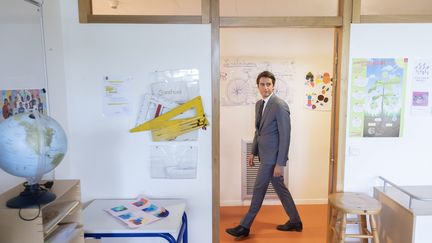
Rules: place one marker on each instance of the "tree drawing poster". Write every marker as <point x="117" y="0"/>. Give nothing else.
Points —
<point x="377" y="97"/>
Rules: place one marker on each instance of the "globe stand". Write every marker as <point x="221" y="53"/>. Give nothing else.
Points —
<point x="33" y="195"/>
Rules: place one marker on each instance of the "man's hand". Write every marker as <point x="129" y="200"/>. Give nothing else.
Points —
<point x="278" y="170"/>
<point x="251" y="160"/>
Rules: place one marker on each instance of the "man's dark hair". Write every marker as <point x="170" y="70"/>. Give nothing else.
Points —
<point x="266" y="74"/>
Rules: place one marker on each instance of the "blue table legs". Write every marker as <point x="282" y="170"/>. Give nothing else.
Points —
<point x="183" y="230"/>
<point x="182" y="237"/>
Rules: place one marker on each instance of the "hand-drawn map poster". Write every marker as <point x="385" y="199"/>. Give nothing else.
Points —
<point x="377" y="97"/>
<point x="238" y="79"/>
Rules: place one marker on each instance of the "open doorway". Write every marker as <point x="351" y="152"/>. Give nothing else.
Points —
<point x="291" y="53"/>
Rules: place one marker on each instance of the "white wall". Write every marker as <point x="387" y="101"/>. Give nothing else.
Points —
<point x="21" y="59"/>
<point x="110" y="161"/>
<point x="56" y="78"/>
<point x="422" y="229"/>
<point x="312" y="50"/>
<point x="405" y="160"/>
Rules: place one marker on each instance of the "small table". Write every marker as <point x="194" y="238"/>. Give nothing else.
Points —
<point x="100" y="224"/>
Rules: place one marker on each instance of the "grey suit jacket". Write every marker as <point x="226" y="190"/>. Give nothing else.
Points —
<point x="272" y="137"/>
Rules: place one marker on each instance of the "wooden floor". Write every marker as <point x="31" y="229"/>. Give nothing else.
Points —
<point x="263" y="230"/>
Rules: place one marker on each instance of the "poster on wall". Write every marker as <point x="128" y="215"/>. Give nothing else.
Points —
<point x="318" y="92"/>
<point x="116" y="96"/>
<point x="422" y="73"/>
<point x="420" y="103"/>
<point x="421" y="86"/>
<point x="22" y="100"/>
<point x="238" y="79"/>
<point x="377" y="97"/>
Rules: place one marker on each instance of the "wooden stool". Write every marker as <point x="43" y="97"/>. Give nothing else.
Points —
<point x="359" y="204"/>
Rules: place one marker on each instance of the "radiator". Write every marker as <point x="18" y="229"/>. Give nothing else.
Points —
<point x="249" y="174"/>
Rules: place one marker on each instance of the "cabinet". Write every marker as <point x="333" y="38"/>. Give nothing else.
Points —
<point x="60" y="217"/>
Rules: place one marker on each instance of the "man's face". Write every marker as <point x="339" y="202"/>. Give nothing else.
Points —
<point x="265" y="87"/>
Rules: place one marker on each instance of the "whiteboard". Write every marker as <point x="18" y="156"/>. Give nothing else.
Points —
<point x="22" y="63"/>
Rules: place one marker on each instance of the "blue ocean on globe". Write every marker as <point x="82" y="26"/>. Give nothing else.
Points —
<point x="31" y="144"/>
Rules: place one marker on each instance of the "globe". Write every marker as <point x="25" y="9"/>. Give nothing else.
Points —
<point x="31" y="144"/>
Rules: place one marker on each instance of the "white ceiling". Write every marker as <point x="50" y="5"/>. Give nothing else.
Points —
<point x="261" y="7"/>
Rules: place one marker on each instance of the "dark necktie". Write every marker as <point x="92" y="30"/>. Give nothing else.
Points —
<point x="259" y="115"/>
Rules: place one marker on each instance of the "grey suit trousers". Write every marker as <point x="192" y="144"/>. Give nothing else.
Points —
<point x="264" y="177"/>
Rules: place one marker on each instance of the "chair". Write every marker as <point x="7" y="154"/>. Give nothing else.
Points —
<point x="344" y="203"/>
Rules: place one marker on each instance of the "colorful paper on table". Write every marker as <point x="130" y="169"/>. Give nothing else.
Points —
<point x="138" y="212"/>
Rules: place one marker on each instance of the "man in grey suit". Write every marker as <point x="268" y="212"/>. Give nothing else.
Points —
<point x="271" y="144"/>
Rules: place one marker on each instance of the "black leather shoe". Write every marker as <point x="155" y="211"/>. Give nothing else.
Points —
<point x="238" y="231"/>
<point x="288" y="226"/>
